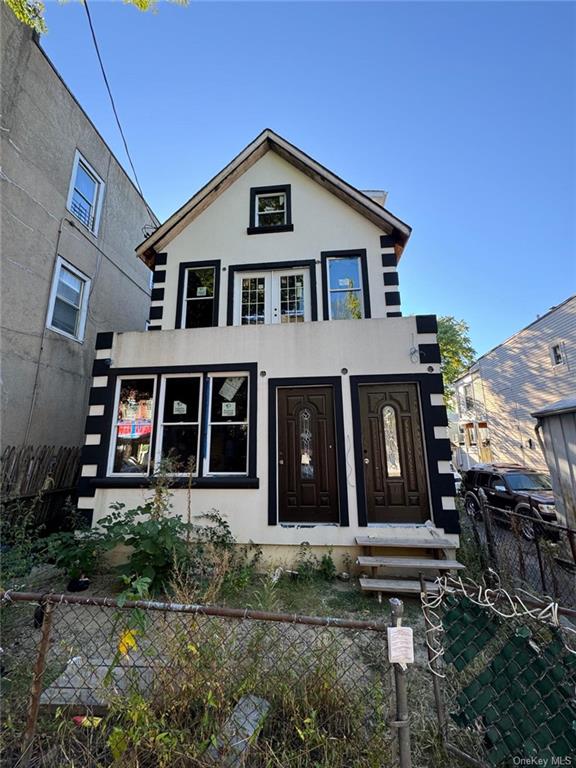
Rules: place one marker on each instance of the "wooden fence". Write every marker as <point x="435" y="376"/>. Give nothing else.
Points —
<point x="47" y="473"/>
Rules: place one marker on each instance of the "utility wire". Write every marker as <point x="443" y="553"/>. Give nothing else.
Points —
<point x="85" y="3"/>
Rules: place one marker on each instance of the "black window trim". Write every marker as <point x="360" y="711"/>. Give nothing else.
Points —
<point x="184" y="266"/>
<point x="359" y="253"/>
<point x="253" y="229"/>
<point x="249" y="480"/>
<point x="271" y="266"/>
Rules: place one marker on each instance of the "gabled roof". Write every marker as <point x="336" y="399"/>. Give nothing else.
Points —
<point x="265" y="142"/>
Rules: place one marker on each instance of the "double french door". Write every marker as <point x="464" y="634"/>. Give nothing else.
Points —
<point x="269" y="297"/>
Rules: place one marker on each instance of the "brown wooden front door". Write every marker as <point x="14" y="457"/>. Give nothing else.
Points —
<point x="393" y="454"/>
<point x="307" y="470"/>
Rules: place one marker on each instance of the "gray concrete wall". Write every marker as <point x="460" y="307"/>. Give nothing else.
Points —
<point x="45" y="375"/>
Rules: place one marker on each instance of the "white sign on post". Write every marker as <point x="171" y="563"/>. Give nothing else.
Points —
<point x="400" y="646"/>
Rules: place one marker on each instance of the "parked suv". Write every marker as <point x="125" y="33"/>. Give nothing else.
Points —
<point x="509" y="488"/>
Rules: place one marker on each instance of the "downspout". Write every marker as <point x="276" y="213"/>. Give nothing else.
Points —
<point x="42" y="339"/>
<point x="538" y="430"/>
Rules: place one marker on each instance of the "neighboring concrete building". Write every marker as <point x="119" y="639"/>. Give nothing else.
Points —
<point x="498" y="395"/>
<point x="71" y="218"/>
<point x="279" y="365"/>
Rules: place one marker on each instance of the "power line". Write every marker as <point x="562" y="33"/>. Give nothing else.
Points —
<point x="85" y="3"/>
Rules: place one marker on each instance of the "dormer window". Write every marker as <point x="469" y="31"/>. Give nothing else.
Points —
<point x="270" y="210"/>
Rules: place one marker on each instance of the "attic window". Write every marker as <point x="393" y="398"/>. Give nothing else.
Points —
<point x="557" y="354"/>
<point x="270" y="210"/>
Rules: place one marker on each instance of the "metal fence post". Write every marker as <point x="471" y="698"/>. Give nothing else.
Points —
<point x="36" y="689"/>
<point x="402" y="723"/>
<point x="486" y="516"/>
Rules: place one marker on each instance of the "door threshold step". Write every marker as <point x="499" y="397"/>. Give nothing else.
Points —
<point x="396" y="586"/>
<point x="428" y="542"/>
<point x="415" y="563"/>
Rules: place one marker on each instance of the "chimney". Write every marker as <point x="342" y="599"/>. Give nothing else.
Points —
<point x="377" y="195"/>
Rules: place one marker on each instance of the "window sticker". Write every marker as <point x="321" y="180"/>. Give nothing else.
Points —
<point x="201" y="290"/>
<point x="230" y="387"/>
<point x="179" y="408"/>
<point x="228" y="409"/>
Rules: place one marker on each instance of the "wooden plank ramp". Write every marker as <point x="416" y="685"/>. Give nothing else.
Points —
<point x="431" y="542"/>
<point x="415" y="563"/>
<point x="396" y="586"/>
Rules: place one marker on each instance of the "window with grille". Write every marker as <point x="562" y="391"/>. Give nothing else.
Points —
<point x="86" y="194"/>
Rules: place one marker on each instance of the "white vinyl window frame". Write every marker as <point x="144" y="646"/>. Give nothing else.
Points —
<point x="62" y="264"/>
<point x="209" y="382"/>
<point x="557" y="354"/>
<point x="272" y="293"/>
<point x="359" y="291"/>
<point x="93" y="222"/>
<point x="283" y="210"/>
<point x="161" y="423"/>
<point x="114" y="428"/>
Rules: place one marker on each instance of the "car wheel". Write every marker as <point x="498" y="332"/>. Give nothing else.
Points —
<point x="472" y="507"/>
<point x="527" y="527"/>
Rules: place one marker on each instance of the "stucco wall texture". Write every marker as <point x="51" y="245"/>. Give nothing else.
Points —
<point x="45" y="375"/>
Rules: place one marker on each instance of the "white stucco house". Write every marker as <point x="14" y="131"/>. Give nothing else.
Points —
<point x="279" y="365"/>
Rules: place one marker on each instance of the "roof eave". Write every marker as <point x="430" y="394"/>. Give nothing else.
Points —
<point x="267" y="140"/>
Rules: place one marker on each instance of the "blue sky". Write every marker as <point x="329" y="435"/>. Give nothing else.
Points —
<point x="463" y="111"/>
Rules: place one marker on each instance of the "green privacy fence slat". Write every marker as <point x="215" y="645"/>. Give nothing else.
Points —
<point x="524" y="699"/>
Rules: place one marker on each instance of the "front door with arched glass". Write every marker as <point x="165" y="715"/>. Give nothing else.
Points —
<point x="393" y="454"/>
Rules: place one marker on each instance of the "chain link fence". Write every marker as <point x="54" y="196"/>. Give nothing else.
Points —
<point x="93" y="681"/>
<point x="525" y="551"/>
<point x="504" y="673"/>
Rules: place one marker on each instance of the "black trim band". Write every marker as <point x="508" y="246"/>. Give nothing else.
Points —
<point x="178" y="482"/>
<point x="389" y="260"/>
<point x="269" y="230"/>
<point x="157" y="294"/>
<point x="159" y="276"/>
<point x="160" y="259"/>
<point x="393" y="314"/>
<point x="387" y="241"/>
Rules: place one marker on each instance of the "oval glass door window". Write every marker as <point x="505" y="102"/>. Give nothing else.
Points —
<point x="391" y="441"/>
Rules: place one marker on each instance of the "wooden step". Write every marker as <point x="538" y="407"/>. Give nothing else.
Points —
<point x="430" y="542"/>
<point x="395" y="586"/>
<point x="415" y="563"/>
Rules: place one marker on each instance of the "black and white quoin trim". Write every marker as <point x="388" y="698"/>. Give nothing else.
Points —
<point x="390" y="276"/>
<point x="157" y="296"/>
